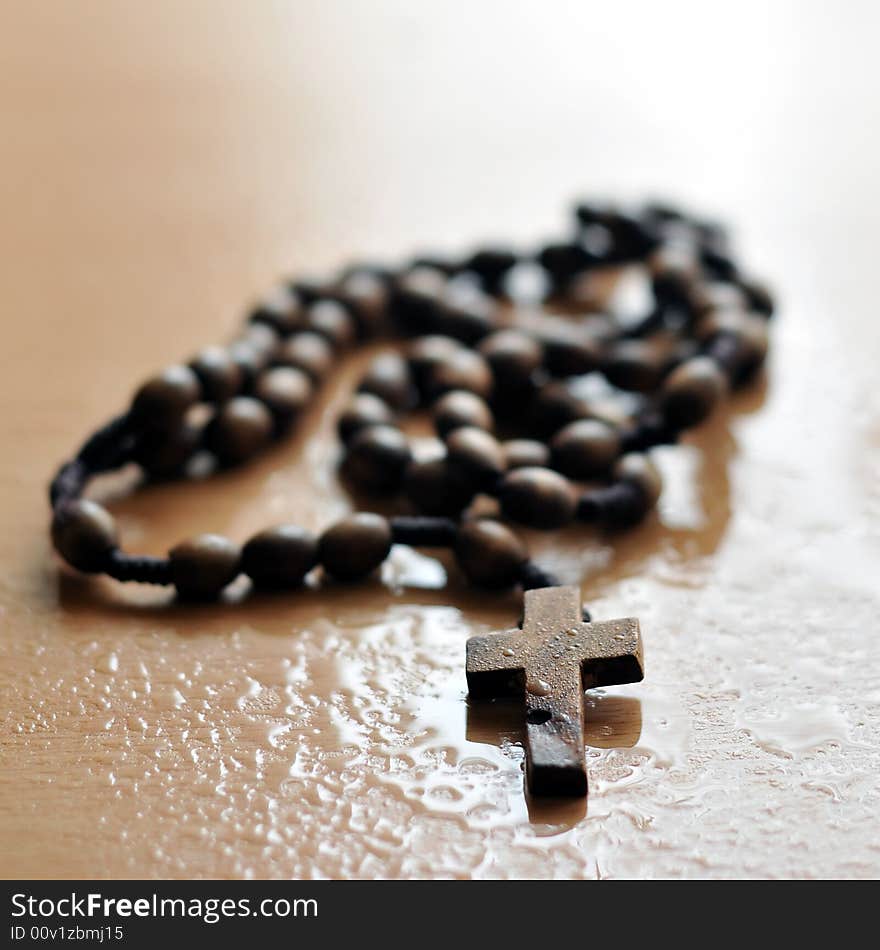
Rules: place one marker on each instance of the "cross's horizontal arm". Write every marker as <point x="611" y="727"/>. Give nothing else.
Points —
<point x="495" y="665"/>
<point x="610" y="651"/>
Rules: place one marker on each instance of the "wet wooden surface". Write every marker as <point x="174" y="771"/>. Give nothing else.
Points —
<point x="161" y="166"/>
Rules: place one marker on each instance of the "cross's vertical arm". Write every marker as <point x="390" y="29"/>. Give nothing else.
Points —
<point x="554" y="694"/>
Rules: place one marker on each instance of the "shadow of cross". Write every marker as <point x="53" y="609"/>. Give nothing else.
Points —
<point x="550" y="662"/>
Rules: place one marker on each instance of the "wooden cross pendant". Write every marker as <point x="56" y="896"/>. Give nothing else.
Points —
<point x="551" y="661"/>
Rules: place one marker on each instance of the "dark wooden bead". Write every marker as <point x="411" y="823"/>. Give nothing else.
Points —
<point x="632" y="236"/>
<point x="202" y="566"/>
<point x="590" y="507"/>
<point x="755" y="341"/>
<point x="163" y="453"/>
<point x="240" y="428"/>
<point x="492" y="266"/>
<point x="476" y="455"/>
<point x="525" y="453"/>
<point x="163" y="400"/>
<point x="513" y="357"/>
<point x="626" y="501"/>
<point x="279" y="557"/>
<point x="571" y="351"/>
<point x="331" y="319"/>
<point x="388" y="377"/>
<point x="726" y="320"/>
<point x="309" y="352"/>
<point x="537" y="497"/>
<point x="461" y="408"/>
<point x="620" y="505"/>
<point x="436" y="488"/>
<point x="585" y="448"/>
<point x="758" y="297"/>
<point x="595" y="211"/>
<point x="467" y="370"/>
<point x="366" y="292"/>
<point x="468" y="324"/>
<point x="716" y="260"/>
<point x="362" y="410"/>
<point x="749" y="333"/>
<point x="489" y="554"/>
<point x="416" y="299"/>
<point x="675" y="270"/>
<point x="638" y="469"/>
<point x="555" y="406"/>
<point x="465" y="312"/>
<point x="691" y="391"/>
<point x="377" y="458"/>
<point x="716" y="295"/>
<point x="428" y="352"/>
<point x="263" y="338"/>
<point x="635" y="365"/>
<point x="565" y="260"/>
<point x="84" y="534"/>
<point x="221" y="377"/>
<point x="355" y="546"/>
<point x="644" y="430"/>
<point x="282" y="310"/>
<point x="250" y="359"/>
<point x="286" y="391"/>
<point x="254" y="350"/>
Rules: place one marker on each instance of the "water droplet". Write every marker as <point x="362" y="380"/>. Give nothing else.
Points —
<point x="538" y="687"/>
<point x="108" y="663"/>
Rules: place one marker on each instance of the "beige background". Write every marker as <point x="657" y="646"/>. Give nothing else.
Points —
<point x="160" y="165"/>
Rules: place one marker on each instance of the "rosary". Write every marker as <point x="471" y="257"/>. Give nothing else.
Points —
<point x="513" y="430"/>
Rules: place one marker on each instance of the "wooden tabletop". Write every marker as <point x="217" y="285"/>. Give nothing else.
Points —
<point x="163" y="164"/>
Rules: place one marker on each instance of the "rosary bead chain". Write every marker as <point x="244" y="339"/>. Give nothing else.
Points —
<point x="562" y="458"/>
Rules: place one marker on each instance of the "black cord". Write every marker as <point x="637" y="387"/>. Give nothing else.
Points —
<point x="421" y="531"/>
<point x="107" y="449"/>
<point x="141" y="568"/>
